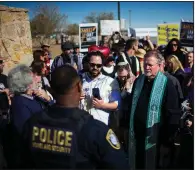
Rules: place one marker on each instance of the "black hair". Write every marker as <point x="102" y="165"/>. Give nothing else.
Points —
<point x="96" y="53"/>
<point x="37" y="54"/>
<point x="85" y="59"/>
<point x="168" y="50"/>
<point x="63" y="79"/>
<point x="37" y="67"/>
<point x="130" y="43"/>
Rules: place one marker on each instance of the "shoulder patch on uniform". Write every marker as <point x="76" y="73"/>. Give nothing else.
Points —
<point x="112" y="139"/>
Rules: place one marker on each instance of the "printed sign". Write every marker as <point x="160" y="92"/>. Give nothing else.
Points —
<point x="88" y="35"/>
<point x="53" y="140"/>
<point x="166" y="32"/>
<point x="187" y="34"/>
<point x="109" y="26"/>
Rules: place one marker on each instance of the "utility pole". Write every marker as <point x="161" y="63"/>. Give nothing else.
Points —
<point x="129" y="18"/>
<point x="119" y="15"/>
<point x="119" y="12"/>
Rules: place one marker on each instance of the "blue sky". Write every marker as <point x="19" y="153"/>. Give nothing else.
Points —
<point x="143" y="14"/>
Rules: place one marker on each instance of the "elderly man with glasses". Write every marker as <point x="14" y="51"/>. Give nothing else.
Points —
<point x="154" y="116"/>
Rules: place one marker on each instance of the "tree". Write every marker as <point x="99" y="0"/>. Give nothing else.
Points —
<point x="73" y="29"/>
<point x="47" y="20"/>
<point x="95" y="18"/>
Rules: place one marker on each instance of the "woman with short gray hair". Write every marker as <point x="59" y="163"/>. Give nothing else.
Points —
<point x="27" y="98"/>
<point x="19" y="79"/>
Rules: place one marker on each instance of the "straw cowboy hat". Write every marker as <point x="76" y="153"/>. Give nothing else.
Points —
<point x="140" y="53"/>
<point x="45" y="45"/>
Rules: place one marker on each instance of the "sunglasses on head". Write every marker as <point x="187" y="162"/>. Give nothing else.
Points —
<point x="97" y="65"/>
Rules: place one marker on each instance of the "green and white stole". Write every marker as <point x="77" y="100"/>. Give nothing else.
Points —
<point x="153" y="117"/>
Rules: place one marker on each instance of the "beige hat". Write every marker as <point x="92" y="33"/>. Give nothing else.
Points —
<point x="140" y="53"/>
<point x="45" y="45"/>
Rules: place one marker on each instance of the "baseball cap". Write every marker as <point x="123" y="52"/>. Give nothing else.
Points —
<point x="66" y="46"/>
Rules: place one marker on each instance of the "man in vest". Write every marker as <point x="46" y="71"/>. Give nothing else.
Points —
<point x="154" y="116"/>
<point x="128" y="56"/>
<point x="66" y="137"/>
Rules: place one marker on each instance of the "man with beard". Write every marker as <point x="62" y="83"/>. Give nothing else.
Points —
<point x="129" y="56"/>
<point x="65" y="58"/>
<point x="101" y="93"/>
<point x="154" y="117"/>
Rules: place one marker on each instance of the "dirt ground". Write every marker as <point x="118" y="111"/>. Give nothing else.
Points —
<point x="54" y="49"/>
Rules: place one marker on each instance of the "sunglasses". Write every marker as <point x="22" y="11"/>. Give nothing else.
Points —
<point x="97" y="65"/>
<point x="175" y="45"/>
<point x="1" y="61"/>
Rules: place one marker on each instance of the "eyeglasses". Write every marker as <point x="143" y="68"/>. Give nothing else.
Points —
<point x="175" y="45"/>
<point x="150" y="65"/>
<point x="97" y="65"/>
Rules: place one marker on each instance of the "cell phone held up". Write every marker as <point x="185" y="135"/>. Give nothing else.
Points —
<point x="96" y="93"/>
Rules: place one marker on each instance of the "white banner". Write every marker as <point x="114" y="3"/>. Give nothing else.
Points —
<point x="109" y="26"/>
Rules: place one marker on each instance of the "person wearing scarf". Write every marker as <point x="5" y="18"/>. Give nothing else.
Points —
<point x="153" y="117"/>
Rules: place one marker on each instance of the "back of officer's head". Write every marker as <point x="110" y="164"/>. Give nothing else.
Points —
<point x="65" y="81"/>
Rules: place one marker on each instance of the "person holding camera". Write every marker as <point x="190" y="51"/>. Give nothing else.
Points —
<point x="101" y="93"/>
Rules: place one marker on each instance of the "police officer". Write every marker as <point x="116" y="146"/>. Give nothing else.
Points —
<point x="63" y="136"/>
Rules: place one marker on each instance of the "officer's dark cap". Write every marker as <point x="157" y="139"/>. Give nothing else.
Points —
<point x="66" y="46"/>
<point x="63" y="78"/>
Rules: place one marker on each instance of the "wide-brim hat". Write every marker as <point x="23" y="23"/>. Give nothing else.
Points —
<point x="45" y="45"/>
<point x="140" y="53"/>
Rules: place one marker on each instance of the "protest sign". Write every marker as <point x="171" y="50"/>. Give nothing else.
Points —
<point x="88" y="35"/>
<point x="187" y="34"/>
<point x="166" y="32"/>
<point x="109" y="26"/>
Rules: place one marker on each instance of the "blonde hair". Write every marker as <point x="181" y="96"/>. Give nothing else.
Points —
<point x="175" y="62"/>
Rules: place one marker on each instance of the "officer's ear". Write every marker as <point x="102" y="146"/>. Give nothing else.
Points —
<point x="79" y="86"/>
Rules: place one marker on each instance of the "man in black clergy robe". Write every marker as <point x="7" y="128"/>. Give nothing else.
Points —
<point x="153" y="116"/>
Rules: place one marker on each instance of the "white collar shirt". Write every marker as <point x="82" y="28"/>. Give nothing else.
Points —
<point x="109" y="92"/>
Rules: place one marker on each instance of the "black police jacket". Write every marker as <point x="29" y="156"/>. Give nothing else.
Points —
<point x="70" y="138"/>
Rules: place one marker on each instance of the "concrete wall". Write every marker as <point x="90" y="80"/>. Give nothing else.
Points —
<point x="15" y="37"/>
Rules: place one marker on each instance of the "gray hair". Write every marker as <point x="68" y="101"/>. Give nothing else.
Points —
<point x="156" y="54"/>
<point x="19" y="79"/>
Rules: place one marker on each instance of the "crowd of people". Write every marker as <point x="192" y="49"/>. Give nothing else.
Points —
<point x="123" y="104"/>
